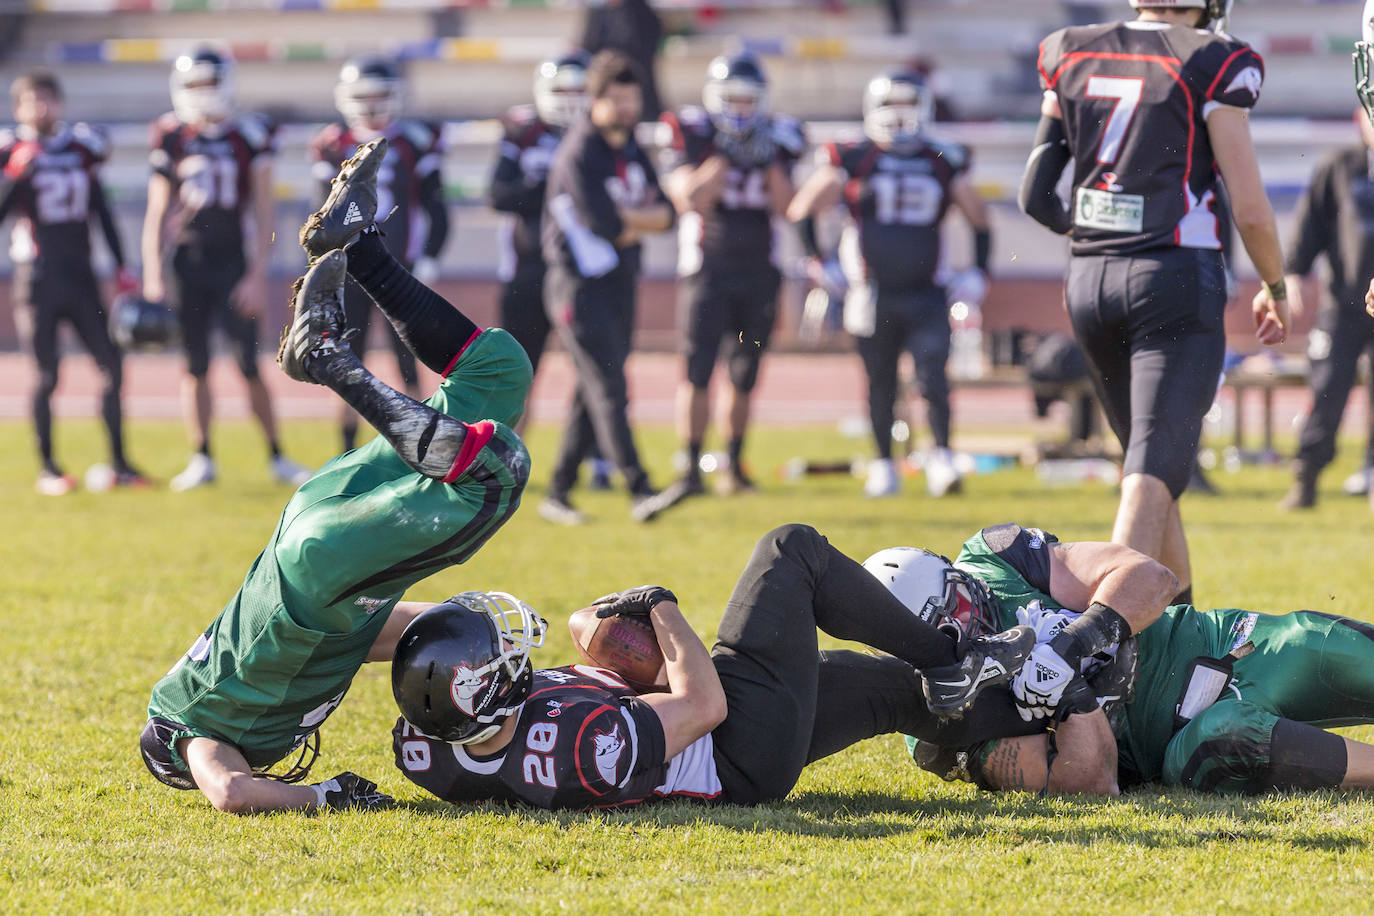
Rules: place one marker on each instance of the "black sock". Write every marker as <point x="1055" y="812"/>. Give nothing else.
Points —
<point x="205" y="448"/>
<point x="694" y="459"/>
<point x="431" y="327"/>
<point x="273" y="450"/>
<point x="734" y="448"/>
<point x="424" y="438"/>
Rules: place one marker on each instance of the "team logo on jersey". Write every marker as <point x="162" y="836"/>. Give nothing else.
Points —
<point x="1108" y="183"/>
<point x="1037" y="538"/>
<point x="371" y="604"/>
<point x="555" y="709"/>
<point x="466" y="684"/>
<point x="1248" y="79"/>
<point x="609" y="746"/>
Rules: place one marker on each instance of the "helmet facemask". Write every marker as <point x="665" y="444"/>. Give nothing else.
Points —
<point x="202" y="86"/>
<point x="1364" y="57"/>
<point x="736" y="106"/>
<point x="560" y="92"/>
<point x="936" y="591"/>
<point x="896" y="109"/>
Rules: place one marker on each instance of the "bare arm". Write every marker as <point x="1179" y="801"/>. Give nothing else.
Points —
<point x="250" y="294"/>
<point x="781" y="190"/>
<point x="1085" y="763"/>
<point x="819" y="192"/>
<point x="695" y="701"/>
<point x="1229" y="130"/>
<point x="225" y="778"/>
<point x="970" y="203"/>
<point x="159" y="199"/>
<point x="384" y="646"/>
<point x="696" y="188"/>
<point x="1125" y="580"/>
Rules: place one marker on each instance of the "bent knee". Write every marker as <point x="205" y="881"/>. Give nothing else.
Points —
<point x="231" y="794"/>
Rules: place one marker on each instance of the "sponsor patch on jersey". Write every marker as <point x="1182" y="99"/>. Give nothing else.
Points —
<point x="371" y="604"/>
<point x="1107" y="211"/>
<point x="1241" y="630"/>
<point x="1037" y="538"/>
<point x="1248" y="79"/>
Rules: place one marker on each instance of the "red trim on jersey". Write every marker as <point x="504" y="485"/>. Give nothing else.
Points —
<point x="461" y="350"/>
<point x="1040" y="65"/>
<point x="478" y="435"/>
<point x="1076" y="56"/>
<point x="1222" y="72"/>
<point x="833" y="151"/>
<point x="567" y="687"/>
<point x="577" y="747"/>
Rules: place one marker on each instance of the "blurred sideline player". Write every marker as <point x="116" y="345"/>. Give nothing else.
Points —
<point x="603" y="197"/>
<point x="898" y="185"/>
<point x="370" y="95"/>
<point x="322" y="598"/>
<point x="51" y="183"/>
<point x="1149" y="112"/>
<point x="211" y="173"/>
<point x="736" y="725"/>
<point x="1218" y="701"/>
<point x="732" y="174"/>
<point x="1364" y="90"/>
<point x="1334" y="220"/>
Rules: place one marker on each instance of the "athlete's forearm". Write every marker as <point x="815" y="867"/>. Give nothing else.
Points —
<point x="264" y="217"/>
<point x="1038" y="197"/>
<point x="819" y="191"/>
<point x="108" y="228"/>
<point x="1085" y="762"/>
<point x="696" y="189"/>
<point x="781" y="190"/>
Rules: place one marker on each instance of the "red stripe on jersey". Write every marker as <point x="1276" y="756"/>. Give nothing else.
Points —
<point x="478" y="435"/>
<point x="1040" y="65"/>
<point x="577" y="748"/>
<point x="461" y="350"/>
<point x="1221" y="71"/>
<point x="832" y="151"/>
<point x="1074" y="57"/>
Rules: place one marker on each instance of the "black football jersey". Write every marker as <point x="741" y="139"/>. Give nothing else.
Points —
<point x="583" y="740"/>
<point x="55" y="193"/>
<point x="1135" y="96"/>
<point x="738" y="232"/>
<point x="406" y="181"/>
<point x="211" y="171"/>
<point x="518" y="182"/>
<point x="897" y="200"/>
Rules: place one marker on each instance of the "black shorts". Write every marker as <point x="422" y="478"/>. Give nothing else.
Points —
<point x="730" y="309"/>
<point x="1150" y="325"/>
<point x="200" y="288"/>
<point x="45" y="295"/>
<point x="155" y="745"/>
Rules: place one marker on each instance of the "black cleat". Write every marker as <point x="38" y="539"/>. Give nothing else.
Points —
<point x="988" y="661"/>
<point x="317" y="317"/>
<point x="351" y="205"/>
<point x="648" y="506"/>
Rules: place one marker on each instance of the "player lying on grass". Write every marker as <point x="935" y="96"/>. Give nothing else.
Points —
<point x="1224" y="700"/>
<point x="737" y="724"/>
<point x="322" y="597"/>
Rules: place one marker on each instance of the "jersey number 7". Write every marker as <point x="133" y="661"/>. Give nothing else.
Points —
<point x="1126" y="92"/>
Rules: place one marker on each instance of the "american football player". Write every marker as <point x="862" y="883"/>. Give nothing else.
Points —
<point x="732" y="173"/>
<point x="50" y="180"/>
<point x="736" y="724"/>
<point x="898" y="184"/>
<point x="322" y="598"/>
<point x="1220" y="701"/>
<point x="1149" y="113"/>
<point x="370" y="95"/>
<point x="211" y="177"/>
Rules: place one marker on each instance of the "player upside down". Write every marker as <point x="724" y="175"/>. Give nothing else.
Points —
<point x="322" y="598"/>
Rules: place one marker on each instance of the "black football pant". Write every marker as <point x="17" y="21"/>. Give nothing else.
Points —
<point x="44" y="298"/>
<point x="1351" y="332"/>
<point x="595" y="321"/>
<point x="915" y="322"/>
<point x="790" y="704"/>
<point x="522" y="308"/>
<point x="358" y="307"/>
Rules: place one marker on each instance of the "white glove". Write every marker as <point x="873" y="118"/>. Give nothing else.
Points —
<point x="1040" y="685"/>
<point x="594" y="255"/>
<point x="828" y="275"/>
<point x="1046" y="624"/>
<point x="969" y="285"/>
<point x="426" y="270"/>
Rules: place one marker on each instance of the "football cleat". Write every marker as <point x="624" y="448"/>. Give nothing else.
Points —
<point x="882" y="479"/>
<point x="1357" y="484"/>
<point x="988" y="661"/>
<point x="942" y="478"/>
<point x="317" y="317"/>
<point x="200" y="470"/>
<point x="50" y="484"/>
<point x="351" y="205"/>
<point x="735" y="483"/>
<point x="349" y="790"/>
<point x="284" y="470"/>
<point x="650" y="505"/>
<point x="558" y="510"/>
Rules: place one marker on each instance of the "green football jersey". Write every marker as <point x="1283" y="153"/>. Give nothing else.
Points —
<point x="282" y="653"/>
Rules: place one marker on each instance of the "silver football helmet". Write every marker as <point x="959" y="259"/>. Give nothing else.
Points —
<point x="560" y="89"/>
<point x="897" y="107"/>
<point x="370" y="93"/>
<point x="1215" y="13"/>
<point x="935" y="590"/>
<point x="202" y="85"/>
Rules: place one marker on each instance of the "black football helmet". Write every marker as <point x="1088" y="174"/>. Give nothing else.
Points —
<point x="936" y="591"/>
<point x="137" y="324"/>
<point x="897" y="106"/>
<point x="1215" y="13"/>
<point x="560" y="89"/>
<point x="736" y="93"/>
<point x="203" y="85"/>
<point x="463" y="667"/>
<point x="370" y="93"/>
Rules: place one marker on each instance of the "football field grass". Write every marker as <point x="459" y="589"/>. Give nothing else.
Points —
<point x="103" y="592"/>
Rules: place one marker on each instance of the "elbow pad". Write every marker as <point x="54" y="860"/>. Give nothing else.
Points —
<point x="1037" y="197"/>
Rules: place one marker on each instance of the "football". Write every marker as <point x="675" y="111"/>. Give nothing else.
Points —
<point x="625" y="645"/>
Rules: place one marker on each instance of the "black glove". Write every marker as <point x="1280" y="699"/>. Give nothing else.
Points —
<point x="1078" y="697"/>
<point x="633" y="602"/>
<point x="349" y="790"/>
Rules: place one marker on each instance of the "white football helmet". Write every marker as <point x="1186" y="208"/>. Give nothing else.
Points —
<point x="1215" y="13"/>
<point x="560" y="89"/>
<point x="202" y="84"/>
<point x="897" y="106"/>
<point x="935" y="590"/>
<point x="370" y="93"/>
<point x="736" y="94"/>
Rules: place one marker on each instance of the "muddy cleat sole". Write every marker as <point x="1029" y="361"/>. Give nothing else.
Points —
<point x="316" y="327"/>
<point x="989" y="661"/>
<point x="351" y="205"/>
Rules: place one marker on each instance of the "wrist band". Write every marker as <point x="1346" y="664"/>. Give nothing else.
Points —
<point x="1278" y="290"/>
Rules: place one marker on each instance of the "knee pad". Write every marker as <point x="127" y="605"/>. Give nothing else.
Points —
<point x="1225" y="749"/>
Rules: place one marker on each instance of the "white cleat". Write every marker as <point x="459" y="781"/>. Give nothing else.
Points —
<point x="54" y="484"/>
<point x="200" y="470"/>
<point x="284" y="470"/>
<point x="882" y="479"/>
<point x="1357" y="484"/>
<point x="942" y="478"/>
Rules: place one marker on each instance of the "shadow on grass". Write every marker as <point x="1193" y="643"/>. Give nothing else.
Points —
<point x="1150" y="817"/>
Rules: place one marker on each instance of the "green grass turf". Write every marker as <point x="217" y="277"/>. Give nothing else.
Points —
<point x="102" y="593"/>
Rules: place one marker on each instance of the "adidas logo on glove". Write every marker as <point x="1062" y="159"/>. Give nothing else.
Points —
<point x="354" y="215"/>
<point x="1043" y="674"/>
